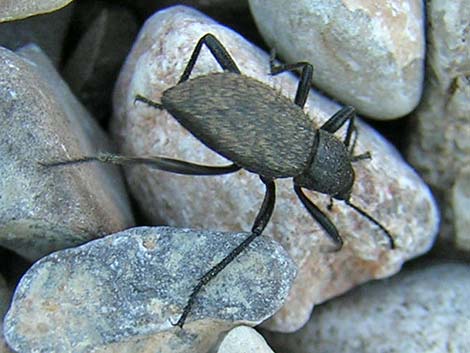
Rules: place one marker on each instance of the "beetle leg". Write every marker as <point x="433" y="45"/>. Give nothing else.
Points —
<point x="218" y="51"/>
<point x="260" y="223"/>
<point x="305" y="78"/>
<point x="161" y="163"/>
<point x="321" y="218"/>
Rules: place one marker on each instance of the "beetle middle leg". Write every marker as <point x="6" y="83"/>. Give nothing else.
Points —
<point x="305" y="82"/>
<point x="260" y="223"/>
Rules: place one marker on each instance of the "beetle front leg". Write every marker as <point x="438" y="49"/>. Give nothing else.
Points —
<point x="321" y="218"/>
<point x="218" y="51"/>
<point x="305" y="82"/>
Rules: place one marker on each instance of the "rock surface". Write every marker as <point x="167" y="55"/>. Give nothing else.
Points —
<point x="243" y="339"/>
<point x="5" y="296"/>
<point x="92" y="69"/>
<point x="369" y="54"/>
<point x="17" y="9"/>
<point x="385" y="185"/>
<point x="439" y="146"/>
<point x="121" y="293"/>
<point x="45" y="209"/>
<point x="47" y="31"/>
<point x="421" y="310"/>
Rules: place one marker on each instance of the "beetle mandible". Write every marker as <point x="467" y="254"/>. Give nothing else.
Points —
<point x="259" y="130"/>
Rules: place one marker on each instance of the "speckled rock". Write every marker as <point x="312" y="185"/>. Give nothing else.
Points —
<point x="385" y="186"/>
<point x="17" y="9"/>
<point x="44" y="209"/>
<point x="420" y="310"/>
<point x="461" y="207"/>
<point x="121" y="293"/>
<point x="5" y="296"/>
<point x="94" y="65"/>
<point x="243" y="339"/>
<point x="439" y="146"/>
<point x="369" y="54"/>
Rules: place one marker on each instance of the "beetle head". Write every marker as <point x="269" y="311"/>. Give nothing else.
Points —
<point x="329" y="170"/>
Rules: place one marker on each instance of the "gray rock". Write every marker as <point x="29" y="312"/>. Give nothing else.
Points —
<point x="121" y="293"/>
<point x="5" y="296"/>
<point x="243" y="339"/>
<point x="17" y="9"/>
<point x="369" y="54"/>
<point x="461" y="207"/>
<point x="439" y="146"/>
<point x="421" y="310"/>
<point x="47" y="31"/>
<point x="44" y="209"/>
<point x="92" y="69"/>
<point x="385" y="186"/>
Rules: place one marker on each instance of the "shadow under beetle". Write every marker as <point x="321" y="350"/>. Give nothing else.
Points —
<point x="259" y="130"/>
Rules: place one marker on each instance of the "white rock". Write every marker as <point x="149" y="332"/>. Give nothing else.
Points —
<point x="423" y="310"/>
<point x="15" y="10"/>
<point x="385" y="186"/>
<point x="439" y="146"/>
<point x="369" y="54"/>
<point x="244" y="339"/>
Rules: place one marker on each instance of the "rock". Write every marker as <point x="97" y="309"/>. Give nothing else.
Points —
<point x="439" y="146"/>
<point x="243" y="339"/>
<point x="461" y="205"/>
<point x="121" y="293"/>
<point x="386" y="187"/>
<point x="47" y="31"/>
<point x="45" y="209"/>
<point x="15" y="10"/>
<point x="94" y="65"/>
<point x="5" y="295"/>
<point x="369" y="54"/>
<point x="420" y="310"/>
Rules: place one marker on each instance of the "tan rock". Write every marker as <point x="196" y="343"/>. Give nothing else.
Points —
<point x="17" y="9"/>
<point x="385" y="186"/>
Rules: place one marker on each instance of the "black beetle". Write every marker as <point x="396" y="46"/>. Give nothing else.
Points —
<point x="260" y="130"/>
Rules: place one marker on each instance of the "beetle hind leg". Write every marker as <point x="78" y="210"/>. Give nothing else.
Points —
<point x="218" y="51"/>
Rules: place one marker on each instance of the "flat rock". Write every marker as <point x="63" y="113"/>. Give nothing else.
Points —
<point x="17" y="9"/>
<point x="44" y="209"/>
<point x="244" y="339"/>
<point x="386" y="187"/>
<point x="121" y="293"/>
<point x="369" y="54"/>
<point x="439" y="146"/>
<point x="420" y="310"/>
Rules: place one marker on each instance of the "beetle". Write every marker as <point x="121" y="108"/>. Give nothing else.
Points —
<point x="261" y="131"/>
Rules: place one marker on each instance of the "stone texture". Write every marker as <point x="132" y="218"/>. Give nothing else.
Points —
<point x="461" y="207"/>
<point x="5" y="295"/>
<point x="44" y="209"/>
<point x="385" y="186"/>
<point x="420" y="310"/>
<point x="439" y="146"/>
<point x="47" y="31"/>
<point x="369" y="54"/>
<point x="92" y="69"/>
<point x="17" y="9"/>
<point x="121" y="293"/>
<point x="243" y="339"/>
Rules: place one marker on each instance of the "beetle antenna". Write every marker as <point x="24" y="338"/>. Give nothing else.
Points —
<point x="373" y="220"/>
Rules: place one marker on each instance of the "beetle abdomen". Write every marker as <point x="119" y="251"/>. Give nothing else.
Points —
<point x="245" y="121"/>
